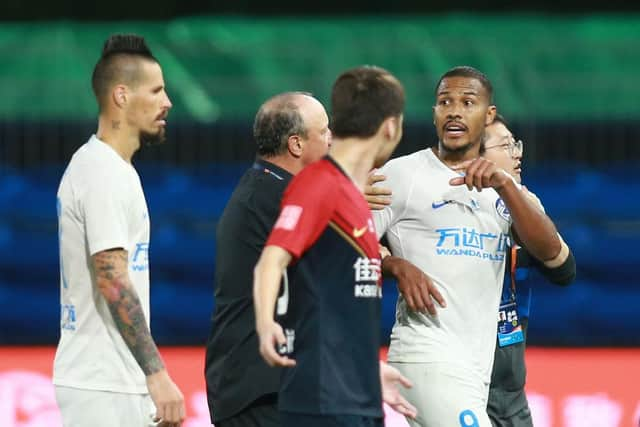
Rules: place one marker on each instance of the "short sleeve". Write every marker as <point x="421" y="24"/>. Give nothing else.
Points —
<point x="307" y="207"/>
<point x="104" y="205"/>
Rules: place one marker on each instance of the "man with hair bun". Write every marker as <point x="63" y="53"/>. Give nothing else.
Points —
<point x="107" y="369"/>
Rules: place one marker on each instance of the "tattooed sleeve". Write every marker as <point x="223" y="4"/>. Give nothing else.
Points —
<point x="114" y="284"/>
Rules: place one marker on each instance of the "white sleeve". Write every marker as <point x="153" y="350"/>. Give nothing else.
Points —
<point x="104" y="206"/>
<point x="399" y="182"/>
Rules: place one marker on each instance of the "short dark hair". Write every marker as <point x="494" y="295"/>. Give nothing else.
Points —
<point x="498" y="118"/>
<point x="467" y="71"/>
<point x="278" y="119"/>
<point x="361" y="99"/>
<point x="118" y="62"/>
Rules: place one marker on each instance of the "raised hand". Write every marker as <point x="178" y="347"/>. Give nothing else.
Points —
<point x="480" y="173"/>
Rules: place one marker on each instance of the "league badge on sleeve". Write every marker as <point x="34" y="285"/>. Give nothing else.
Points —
<point x="502" y="210"/>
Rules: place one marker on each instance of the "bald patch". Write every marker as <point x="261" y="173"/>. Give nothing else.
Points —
<point x="285" y="100"/>
<point x="277" y="119"/>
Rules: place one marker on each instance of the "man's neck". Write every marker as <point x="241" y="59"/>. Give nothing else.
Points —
<point x="119" y="136"/>
<point x="452" y="158"/>
<point x="356" y="157"/>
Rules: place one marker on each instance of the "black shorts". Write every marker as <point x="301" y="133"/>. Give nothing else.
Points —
<point x="261" y="413"/>
<point x="290" y="419"/>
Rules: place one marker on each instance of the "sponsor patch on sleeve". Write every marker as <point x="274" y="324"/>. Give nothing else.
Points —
<point x="289" y="217"/>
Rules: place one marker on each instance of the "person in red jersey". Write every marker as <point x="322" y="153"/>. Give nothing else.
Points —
<point x="329" y="338"/>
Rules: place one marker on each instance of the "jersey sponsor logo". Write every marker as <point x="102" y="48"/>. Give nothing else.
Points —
<point x="440" y="203"/>
<point x="367" y="291"/>
<point x="367" y="277"/>
<point x="140" y="257"/>
<point x="68" y="317"/>
<point x="463" y="241"/>
<point x="502" y="210"/>
<point x="289" y="217"/>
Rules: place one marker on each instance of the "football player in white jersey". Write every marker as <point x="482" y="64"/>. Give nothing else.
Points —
<point x="452" y="214"/>
<point x="107" y="368"/>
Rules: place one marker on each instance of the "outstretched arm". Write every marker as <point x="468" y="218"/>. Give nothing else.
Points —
<point x="111" y="271"/>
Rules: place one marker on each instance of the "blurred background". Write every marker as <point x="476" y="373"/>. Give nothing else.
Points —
<point x="565" y="77"/>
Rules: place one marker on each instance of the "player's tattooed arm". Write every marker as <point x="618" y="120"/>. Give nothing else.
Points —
<point x="112" y="278"/>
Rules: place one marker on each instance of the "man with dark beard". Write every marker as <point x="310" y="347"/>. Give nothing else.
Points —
<point x="107" y="369"/>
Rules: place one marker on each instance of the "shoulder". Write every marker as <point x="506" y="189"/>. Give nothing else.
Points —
<point x="95" y="159"/>
<point x="402" y="172"/>
<point x="399" y="164"/>
<point x="262" y="190"/>
<point x="315" y="184"/>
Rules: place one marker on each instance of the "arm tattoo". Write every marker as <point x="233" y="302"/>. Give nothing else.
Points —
<point x="124" y="305"/>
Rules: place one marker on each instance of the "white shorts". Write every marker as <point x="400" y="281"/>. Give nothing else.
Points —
<point x="445" y="395"/>
<point x="83" y="408"/>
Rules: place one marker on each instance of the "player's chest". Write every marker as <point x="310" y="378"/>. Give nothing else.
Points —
<point x="447" y="206"/>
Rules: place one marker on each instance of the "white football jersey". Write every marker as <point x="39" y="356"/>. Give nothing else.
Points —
<point x="101" y="206"/>
<point x="459" y="238"/>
